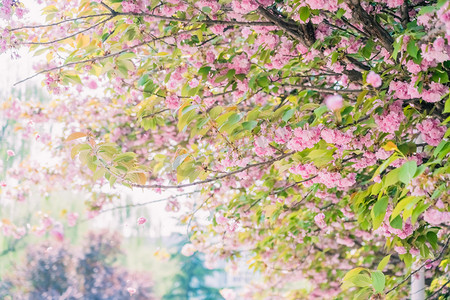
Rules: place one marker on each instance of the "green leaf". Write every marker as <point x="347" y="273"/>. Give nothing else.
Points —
<point x="334" y="57"/>
<point x="206" y="9"/>
<point x="391" y="178"/>
<point x="383" y="263"/>
<point x="77" y="148"/>
<point x="407" y="171"/>
<point x="249" y="125"/>
<point x="352" y="273"/>
<point x="233" y="119"/>
<point x="204" y="71"/>
<point x="378" y="281"/>
<point x="417" y="211"/>
<point x="361" y="280"/>
<point x="143" y="80"/>
<point x="215" y="112"/>
<point x="125" y="157"/>
<point x="397" y="46"/>
<point x="304" y="13"/>
<point x="412" y="48"/>
<point x="397" y="223"/>
<point x="447" y="106"/>
<point x="384" y="165"/>
<point x="379" y="211"/>
<point x="439" y="148"/>
<point x="440" y="76"/>
<point x="179" y="160"/>
<point x="340" y="13"/>
<point x="263" y="81"/>
<point x="320" y="111"/>
<point x="408" y="148"/>
<point x="367" y="49"/>
<point x="432" y="239"/>
<point x="410" y="200"/>
<point x="230" y="73"/>
<point x="150" y="87"/>
<point x="99" y="173"/>
<point x="287" y="115"/>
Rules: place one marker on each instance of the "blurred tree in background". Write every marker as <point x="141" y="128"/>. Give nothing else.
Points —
<point x="60" y="271"/>
<point x="191" y="280"/>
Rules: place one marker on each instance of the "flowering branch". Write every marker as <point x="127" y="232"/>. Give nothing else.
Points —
<point x="98" y="58"/>
<point x="158" y="186"/>
<point x="143" y="203"/>
<point x="69" y="36"/>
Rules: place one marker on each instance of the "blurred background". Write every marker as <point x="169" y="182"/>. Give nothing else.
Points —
<point x="102" y="256"/>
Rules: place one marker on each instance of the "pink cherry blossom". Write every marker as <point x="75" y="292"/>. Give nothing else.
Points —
<point x="92" y="84"/>
<point x="228" y="294"/>
<point x="320" y="220"/>
<point x="10" y="153"/>
<point x="304" y="138"/>
<point x="334" y="102"/>
<point x="57" y="234"/>
<point x="400" y="249"/>
<point x="391" y="118"/>
<point x="131" y="290"/>
<point x="431" y="132"/>
<point x="188" y="250"/>
<point x="141" y="220"/>
<point x="373" y="79"/>
<point x="414" y="251"/>
<point x="282" y="135"/>
<point x="172" y="102"/>
<point x="72" y="219"/>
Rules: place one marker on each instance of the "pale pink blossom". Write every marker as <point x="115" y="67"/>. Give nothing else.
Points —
<point x="400" y="249"/>
<point x="141" y="220"/>
<point x="334" y="102"/>
<point x="131" y="290"/>
<point x="320" y="220"/>
<point x="373" y="79"/>
<point x="431" y="132"/>
<point x="72" y="219"/>
<point x="173" y="102"/>
<point x="414" y="251"/>
<point x="282" y="135"/>
<point x="92" y="84"/>
<point x="228" y="294"/>
<point x="188" y="249"/>
<point x="391" y="118"/>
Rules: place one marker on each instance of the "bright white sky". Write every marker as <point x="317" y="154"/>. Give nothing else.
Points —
<point x="161" y="222"/>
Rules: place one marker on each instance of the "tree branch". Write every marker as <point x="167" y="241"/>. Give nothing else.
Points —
<point x="158" y="186"/>
<point x="100" y="57"/>
<point x="140" y="204"/>
<point x="423" y="265"/>
<point x="323" y="89"/>
<point x="58" y="23"/>
<point x="69" y="36"/>
<point x="155" y="113"/>
<point x="370" y="25"/>
<point x="438" y="291"/>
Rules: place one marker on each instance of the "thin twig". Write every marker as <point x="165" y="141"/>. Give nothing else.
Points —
<point x="158" y="186"/>
<point x="156" y="113"/>
<point x="98" y="58"/>
<point x="423" y="265"/>
<point x="193" y="214"/>
<point x="141" y="204"/>
<point x="71" y="35"/>
<point x="322" y="89"/>
<point x="58" y="23"/>
<point x="440" y="289"/>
